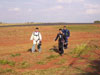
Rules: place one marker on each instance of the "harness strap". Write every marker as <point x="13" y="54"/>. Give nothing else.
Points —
<point x="36" y="35"/>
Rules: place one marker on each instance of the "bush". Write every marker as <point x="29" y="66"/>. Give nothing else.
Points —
<point x="85" y="48"/>
<point x="79" y="50"/>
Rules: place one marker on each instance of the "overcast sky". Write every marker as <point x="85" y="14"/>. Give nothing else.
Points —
<point x="16" y="11"/>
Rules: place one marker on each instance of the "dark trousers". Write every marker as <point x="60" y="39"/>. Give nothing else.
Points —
<point x="66" y="46"/>
<point x="66" y="43"/>
<point x="61" y="45"/>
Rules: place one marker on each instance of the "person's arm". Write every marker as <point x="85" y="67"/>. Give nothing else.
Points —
<point x="57" y="37"/>
<point x="32" y="37"/>
<point x="63" y="31"/>
<point x="68" y="33"/>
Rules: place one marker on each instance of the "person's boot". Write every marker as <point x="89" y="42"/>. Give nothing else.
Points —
<point x="65" y="46"/>
<point x="60" y="54"/>
<point x="39" y="48"/>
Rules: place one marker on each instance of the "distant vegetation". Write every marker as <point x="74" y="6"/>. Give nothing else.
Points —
<point x="96" y="21"/>
<point x="0" y="22"/>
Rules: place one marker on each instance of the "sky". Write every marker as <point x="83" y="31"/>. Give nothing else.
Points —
<point x="71" y="11"/>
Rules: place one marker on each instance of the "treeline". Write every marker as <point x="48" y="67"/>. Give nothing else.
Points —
<point x="96" y="21"/>
<point x="54" y="23"/>
<point x="0" y="22"/>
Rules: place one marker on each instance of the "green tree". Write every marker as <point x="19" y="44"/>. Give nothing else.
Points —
<point x="96" y="21"/>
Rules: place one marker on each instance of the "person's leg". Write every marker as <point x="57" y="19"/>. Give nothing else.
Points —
<point x="33" y="48"/>
<point x="61" y="48"/>
<point x="66" y="43"/>
<point x="61" y="51"/>
<point x="39" y="47"/>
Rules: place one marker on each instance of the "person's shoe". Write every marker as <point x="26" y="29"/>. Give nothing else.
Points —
<point x="61" y="54"/>
<point x="32" y="52"/>
<point x="39" y="51"/>
<point x="65" y="48"/>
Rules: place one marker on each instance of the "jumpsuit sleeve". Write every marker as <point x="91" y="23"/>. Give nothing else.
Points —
<point x="68" y="33"/>
<point x="63" y="31"/>
<point x="57" y="37"/>
<point x="32" y="37"/>
<point x="40" y="36"/>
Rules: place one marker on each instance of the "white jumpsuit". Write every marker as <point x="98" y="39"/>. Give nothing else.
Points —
<point x="36" y="37"/>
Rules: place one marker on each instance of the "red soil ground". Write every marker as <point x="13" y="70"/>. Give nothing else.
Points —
<point x="16" y="40"/>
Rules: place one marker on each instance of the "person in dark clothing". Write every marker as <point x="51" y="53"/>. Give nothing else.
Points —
<point x="66" y="33"/>
<point x="60" y="41"/>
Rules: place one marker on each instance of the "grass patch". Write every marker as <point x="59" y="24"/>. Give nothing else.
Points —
<point x="14" y="55"/>
<point x="47" y="59"/>
<point x="85" y="48"/>
<point x="81" y="28"/>
<point x="4" y="62"/>
<point x="5" y="70"/>
<point x="52" y="57"/>
<point x="63" y="70"/>
<point x="91" y="57"/>
<point x="60" y="62"/>
<point x="24" y="64"/>
<point x="41" y="62"/>
<point x="51" y="71"/>
<point x="78" y="50"/>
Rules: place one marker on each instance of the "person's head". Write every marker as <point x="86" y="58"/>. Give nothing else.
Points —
<point x="64" y="27"/>
<point x="60" y="30"/>
<point x="36" y="29"/>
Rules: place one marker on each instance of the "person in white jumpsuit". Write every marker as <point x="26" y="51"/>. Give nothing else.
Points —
<point x="37" y="38"/>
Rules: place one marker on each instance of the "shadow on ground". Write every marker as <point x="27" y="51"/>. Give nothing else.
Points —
<point x="94" y="66"/>
<point x="55" y="49"/>
<point x="30" y="50"/>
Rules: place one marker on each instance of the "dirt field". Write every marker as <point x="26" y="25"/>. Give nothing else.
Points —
<point x="16" y="58"/>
